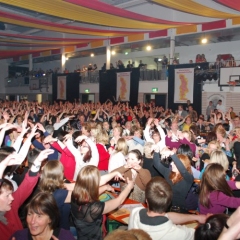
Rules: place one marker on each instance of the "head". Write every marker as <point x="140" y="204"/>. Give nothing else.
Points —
<point x="148" y="150"/>
<point x="102" y="137"/>
<point x="188" y="120"/>
<point x="213" y="179"/>
<point x="42" y="214"/>
<point x="187" y="135"/>
<point x="52" y="176"/>
<point x="212" y="228"/>
<point x="158" y="195"/>
<point x="86" y="186"/>
<point x="180" y="107"/>
<point x="133" y="234"/>
<point x="220" y="102"/>
<point x="122" y="146"/>
<point x="6" y="198"/>
<point x="175" y="175"/>
<point x="86" y="129"/>
<point x="134" y="157"/>
<point x="218" y="156"/>
<point x="185" y="150"/>
<point x="32" y="155"/>
<point x="156" y="136"/>
<point x="106" y="126"/>
<point x="117" y="131"/>
<point x="49" y="129"/>
<point x="213" y="146"/>
<point x="85" y="150"/>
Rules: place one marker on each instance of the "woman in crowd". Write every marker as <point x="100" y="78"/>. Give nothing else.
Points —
<point x="212" y="228"/>
<point x="42" y="220"/>
<point x="118" y="155"/>
<point x="179" y="177"/>
<point x="134" y="171"/>
<point x="102" y="141"/>
<point x="52" y="181"/>
<point x="215" y="192"/>
<point x="86" y="208"/>
<point x="10" y="201"/>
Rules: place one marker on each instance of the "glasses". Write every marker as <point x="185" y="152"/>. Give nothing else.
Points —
<point x="84" y="146"/>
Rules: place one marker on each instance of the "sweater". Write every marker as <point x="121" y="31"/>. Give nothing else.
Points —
<point x="159" y="227"/>
<point x="220" y="201"/>
<point x="103" y="157"/>
<point x="180" y="189"/>
<point x="25" y="235"/>
<point x="22" y="193"/>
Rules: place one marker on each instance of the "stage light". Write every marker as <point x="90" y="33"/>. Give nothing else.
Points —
<point x="113" y="52"/>
<point x="204" y="40"/>
<point x="126" y="53"/>
<point x="159" y="60"/>
<point x="149" y="48"/>
<point x="92" y="55"/>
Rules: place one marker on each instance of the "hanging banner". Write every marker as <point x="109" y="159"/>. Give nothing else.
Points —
<point x="123" y="86"/>
<point x="183" y="86"/>
<point x="61" y="88"/>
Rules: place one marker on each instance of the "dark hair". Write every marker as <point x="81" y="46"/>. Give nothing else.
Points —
<point x="74" y="136"/>
<point x="138" y="155"/>
<point x="212" y="227"/>
<point x="32" y="155"/>
<point x="88" y="155"/>
<point x="185" y="150"/>
<point x="158" y="194"/>
<point x="44" y="203"/>
<point x="6" y="184"/>
<point x="211" y="136"/>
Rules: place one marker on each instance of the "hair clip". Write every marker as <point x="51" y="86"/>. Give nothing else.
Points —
<point x="208" y="225"/>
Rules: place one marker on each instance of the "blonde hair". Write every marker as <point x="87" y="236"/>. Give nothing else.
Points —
<point x="147" y="149"/>
<point x="121" y="146"/>
<point x="214" y="142"/>
<point x="218" y="156"/>
<point x="52" y="176"/>
<point x="102" y="137"/>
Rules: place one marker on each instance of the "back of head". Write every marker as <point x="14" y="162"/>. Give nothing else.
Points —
<point x="32" y="155"/>
<point x="158" y="195"/>
<point x="185" y="150"/>
<point x="122" y="146"/>
<point x="49" y="129"/>
<point x="133" y="234"/>
<point x="87" y="185"/>
<point x="212" y="228"/>
<point x="148" y="149"/>
<point x="218" y="156"/>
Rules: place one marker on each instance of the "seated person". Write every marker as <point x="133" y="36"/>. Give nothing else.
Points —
<point x="154" y="219"/>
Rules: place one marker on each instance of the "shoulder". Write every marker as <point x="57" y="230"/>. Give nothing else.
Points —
<point x="20" y="234"/>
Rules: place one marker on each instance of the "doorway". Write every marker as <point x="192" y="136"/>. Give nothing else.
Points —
<point x="159" y="99"/>
<point x="87" y="97"/>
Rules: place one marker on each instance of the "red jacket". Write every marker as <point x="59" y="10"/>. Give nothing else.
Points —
<point x="67" y="159"/>
<point x="103" y="157"/>
<point x="20" y="195"/>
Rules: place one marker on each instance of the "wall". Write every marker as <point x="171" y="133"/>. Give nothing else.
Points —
<point x="3" y="75"/>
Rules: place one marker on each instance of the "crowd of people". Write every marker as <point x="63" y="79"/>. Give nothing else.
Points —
<point x="57" y="159"/>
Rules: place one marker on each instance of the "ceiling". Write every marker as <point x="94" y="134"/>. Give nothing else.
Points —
<point x="46" y="25"/>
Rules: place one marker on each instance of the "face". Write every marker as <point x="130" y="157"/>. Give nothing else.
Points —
<point x="84" y="148"/>
<point x="116" y="133"/>
<point x="174" y="168"/>
<point x="38" y="224"/>
<point x="212" y="147"/>
<point x="133" y="160"/>
<point x="84" y="131"/>
<point x="174" y="126"/>
<point x="6" y="199"/>
<point x="188" y="121"/>
<point x="156" y="137"/>
<point x="106" y="125"/>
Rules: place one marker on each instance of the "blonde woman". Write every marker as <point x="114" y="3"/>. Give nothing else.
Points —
<point x="118" y="155"/>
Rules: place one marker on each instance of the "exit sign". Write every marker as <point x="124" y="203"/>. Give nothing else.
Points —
<point x="154" y="89"/>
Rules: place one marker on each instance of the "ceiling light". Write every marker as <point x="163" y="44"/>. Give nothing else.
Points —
<point x="204" y="40"/>
<point x="126" y="53"/>
<point x="113" y="52"/>
<point x="149" y="48"/>
<point x="92" y="55"/>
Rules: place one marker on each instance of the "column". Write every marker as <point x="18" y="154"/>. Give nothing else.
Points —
<point x="172" y="45"/>
<point x="63" y="61"/>
<point x="108" y="54"/>
<point x="30" y="65"/>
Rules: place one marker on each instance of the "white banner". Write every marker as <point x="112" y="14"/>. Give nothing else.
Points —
<point x="61" y="88"/>
<point x="183" y="86"/>
<point x="123" y="86"/>
<point x="229" y="75"/>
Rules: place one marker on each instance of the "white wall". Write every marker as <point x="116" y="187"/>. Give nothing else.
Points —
<point x="3" y="75"/>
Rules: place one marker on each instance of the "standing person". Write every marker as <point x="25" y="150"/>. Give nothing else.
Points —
<point x="181" y="112"/>
<point x="192" y="113"/>
<point x="86" y="208"/>
<point x="220" y="106"/>
<point x="209" y="109"/>
<point x="42" y="220"/>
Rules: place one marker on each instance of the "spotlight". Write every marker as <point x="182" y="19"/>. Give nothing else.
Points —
<point x="204" y="40"/>
<point x="159" y="60"/>
<point x="126" y="53"/>
<point x="92" y="55"/>
<point x="113" y="52"/>
<point x="149" y="48"/>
